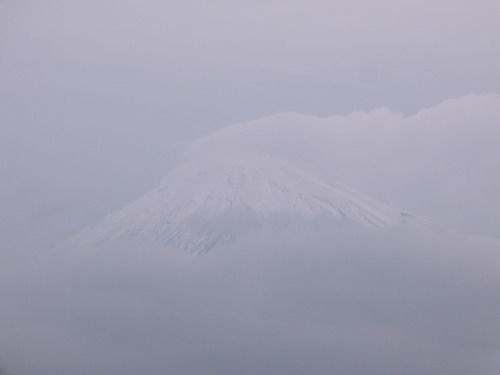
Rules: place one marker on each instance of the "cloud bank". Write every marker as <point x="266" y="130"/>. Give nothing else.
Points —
<point x="338" y="302"/>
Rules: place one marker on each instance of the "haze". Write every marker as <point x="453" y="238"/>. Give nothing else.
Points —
<point x="398" y="100"/>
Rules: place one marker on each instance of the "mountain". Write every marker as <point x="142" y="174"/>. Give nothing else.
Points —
<point x="212" y="201"/>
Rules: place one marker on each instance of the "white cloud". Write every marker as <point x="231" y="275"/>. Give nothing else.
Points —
<point x="440" y="163"/>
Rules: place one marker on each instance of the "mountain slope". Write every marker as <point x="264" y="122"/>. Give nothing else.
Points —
<point x="204" y="204"/>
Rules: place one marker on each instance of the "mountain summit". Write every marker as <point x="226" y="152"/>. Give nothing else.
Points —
<point x="204" y="204"/>
<point x="246" y="180"/>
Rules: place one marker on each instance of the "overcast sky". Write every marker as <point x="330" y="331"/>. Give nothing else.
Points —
<point x="98" y="99"/>
<point x="99" y="96"/>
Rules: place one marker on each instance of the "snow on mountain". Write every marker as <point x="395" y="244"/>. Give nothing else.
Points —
<point x="203" y="204"/>
<point x="248" y="179"/>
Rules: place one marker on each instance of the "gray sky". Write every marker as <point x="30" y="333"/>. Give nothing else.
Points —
<point x="99" y="98"/>
<point x="98" y="95"/>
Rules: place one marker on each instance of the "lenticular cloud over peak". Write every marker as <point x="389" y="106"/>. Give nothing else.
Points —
<point x="289" y="135"/>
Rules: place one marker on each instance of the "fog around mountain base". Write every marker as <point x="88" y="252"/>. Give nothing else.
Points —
<point x="347" y="301"/>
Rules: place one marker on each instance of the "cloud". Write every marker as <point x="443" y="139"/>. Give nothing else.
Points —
<point x="439" y="163"/>
<point x="342" y="302"/>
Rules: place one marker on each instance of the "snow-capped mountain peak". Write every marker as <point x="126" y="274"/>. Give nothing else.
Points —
<point x="203" y="204"/>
